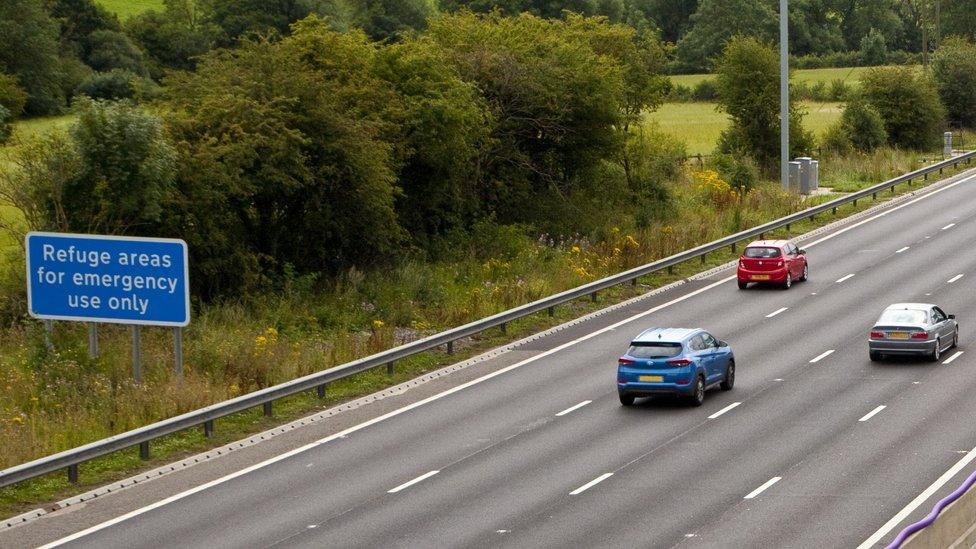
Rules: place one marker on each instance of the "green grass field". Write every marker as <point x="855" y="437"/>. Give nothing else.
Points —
<point x="850" y="75"/>
<point x="699" y="124"/>
<point x="127" y="8"/>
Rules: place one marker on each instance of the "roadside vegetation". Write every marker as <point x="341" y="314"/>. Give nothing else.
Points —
<point x="350" y="180"/>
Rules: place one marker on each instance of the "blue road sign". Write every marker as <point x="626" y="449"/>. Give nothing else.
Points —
<point x="98" y="278"/>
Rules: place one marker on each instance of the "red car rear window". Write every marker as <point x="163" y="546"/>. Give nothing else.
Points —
<point x="762" y="252"/>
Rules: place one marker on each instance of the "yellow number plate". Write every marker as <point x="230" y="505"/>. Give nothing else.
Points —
<point x="898" y="335"/>
<point x="650" y="378"/>
<point x="760" y="277"/>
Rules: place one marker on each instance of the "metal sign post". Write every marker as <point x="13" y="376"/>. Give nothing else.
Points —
<point x="136" y="354"/>
<point x="178" y="352"/>
<point x="93" y="340"/>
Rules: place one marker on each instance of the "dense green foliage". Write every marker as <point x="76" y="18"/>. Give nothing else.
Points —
<point x="748" y="84"/>
<point x="717" y="21"/>
<point x="12" y="96"/>
<point x="30" y="52"/>
<point x="863" y="125"/>
<point x="954" y="70"/>
<point x="908" y="101"/>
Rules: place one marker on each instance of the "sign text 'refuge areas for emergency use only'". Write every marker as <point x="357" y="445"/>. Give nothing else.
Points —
<point x="108" y="279"/>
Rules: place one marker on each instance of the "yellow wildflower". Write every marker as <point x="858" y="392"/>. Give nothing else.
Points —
<point x="377" y="324"/>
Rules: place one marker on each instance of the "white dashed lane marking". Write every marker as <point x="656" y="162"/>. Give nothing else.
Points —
<point x="821" y="356"/>
<point x="872" y="413"/>
<point x="953" y="357"/>
<point x="591" y="484"/>
<point x="776" y="312"/>
<point x="723" y="410"/>
<point x="406" y="485"/>
<point x="762" y="488"/>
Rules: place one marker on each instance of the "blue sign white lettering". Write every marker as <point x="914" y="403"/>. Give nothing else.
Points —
<point x="99" y="278"/>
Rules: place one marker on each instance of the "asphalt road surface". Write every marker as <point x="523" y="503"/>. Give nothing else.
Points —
<point x="816" y="446"/>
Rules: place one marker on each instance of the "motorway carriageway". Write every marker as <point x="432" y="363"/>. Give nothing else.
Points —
<point x="816" y="446"/>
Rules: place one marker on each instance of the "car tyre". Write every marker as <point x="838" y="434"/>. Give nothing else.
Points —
<point x="698" y="395"/>
<point x="875" y="356"/>
<point x="806" y="273"/>
<point x="789" y="281"/>
<point x="729" y="380"/>
<point x="936" y="353"/>
<point x="626" y="400"/>
<point x="743" y="285"/>
<point x="955" y="339"/>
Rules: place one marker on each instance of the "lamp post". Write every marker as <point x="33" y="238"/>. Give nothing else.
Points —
<point x="784" y="97"/>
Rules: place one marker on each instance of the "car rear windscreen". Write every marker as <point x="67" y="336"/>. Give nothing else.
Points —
<point x="902" y="316"/>
<point x="654" y="350"/>
<point x="762" y="252"/>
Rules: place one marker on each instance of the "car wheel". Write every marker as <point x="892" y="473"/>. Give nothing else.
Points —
<point x="806" y="273"/>
<point x="743" y="285"/>
<point x="698" y="396"/>
<point x="875" y="356"/>
<point x="937" y="352"/>
<point x="626" y="400"/>
<point x="789" y="281"/>
<point x="955" y="339"/>
<point x="729" y="380"/>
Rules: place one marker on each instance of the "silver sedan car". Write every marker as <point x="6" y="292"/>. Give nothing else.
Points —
<point x="920" y="329"/>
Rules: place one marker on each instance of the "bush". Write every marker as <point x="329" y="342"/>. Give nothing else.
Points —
<point x="740" y="171"/>
<point x="863" y="126"/>
<point x="6" y="128"/>
<point x="12" y="96"/>
<point x="954" y="70"/>
<point x="839" y="90"/>
<point x="114" y="84"/>
<point x="705" y="91"/>
<point x="653" y="159"/>
<point x="907" y="100"/>
<point x="680" y="93"/>
<point x="835" y="139"/>
<point x="873" y="49"/>
<point x="110" y="49"/>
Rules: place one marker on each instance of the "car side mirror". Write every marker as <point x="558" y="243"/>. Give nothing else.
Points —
<point x="722" y="343"/>
<point x="801" y="252"/>
<point x="952" y="317"/>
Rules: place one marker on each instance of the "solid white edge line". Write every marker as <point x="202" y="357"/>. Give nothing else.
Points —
<point x="953" y="357"/>
<point x="900" y="250"/>
<point x="453" y="390"/>
<point x="591" y="484"/>
<point x="723" y="410"/>
<point x="762" y="488"/>
<point x="408" y="484"/>
<point x="821" y="356"/>
<point x="872" y="413"/>
<point x="919" y="500"/>
<point x="949" y="226"/>
<point x="776" y="312"/>
<point x="955" y="278"/>
<point x="843" y="278"/>
<point x="572" y="408"/>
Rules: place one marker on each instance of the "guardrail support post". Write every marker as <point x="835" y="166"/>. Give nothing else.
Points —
<point x="833" y="211"/>
<point x="703" y="258"/>
<point x="925" y="176"/>
<point x="634" y="282"/>
<point x="268" y="409"/>
<point x="855" y="202"/>
<point x="874" y="196"/>
<point x="670" y="269"/>
<point x="787" y="227"/>
<point x="389" y="368"/>
<point x="504" y="329"/>
<point x="320" y="391"/>
<point x="940" y="171"/>
<point x="892" y="189"/>
<point x="733" y="247"/>
<point x="73" y="474"/>
<point x="593" y="297"/>
<point x="144" y="450"/>
<point x="909" y="182"/>
<point x="92" y="340"/>
<point x="552" y="312"/>
<point x="450" y="347"/>
<point x="208" y="428"/>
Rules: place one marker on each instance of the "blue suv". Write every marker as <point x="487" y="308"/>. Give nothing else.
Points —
<point x="677" y="361"/>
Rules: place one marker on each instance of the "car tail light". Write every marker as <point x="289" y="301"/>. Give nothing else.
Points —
<point x="877" y="335"/>
<point x="679" y="362"/>
<point x="622" y="380"/>
<point x="920" y="335"/>
<point x="624" y="361"/>
<point x="683" y="381"/>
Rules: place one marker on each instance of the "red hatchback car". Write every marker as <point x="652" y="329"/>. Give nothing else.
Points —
<point x="772" y="261"/>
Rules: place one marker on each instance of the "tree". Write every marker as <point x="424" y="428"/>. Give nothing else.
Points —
<point x="443" y="123"/>
<point x="237" y="18"/>
<point x="873" y="49"/>
<point x="716" y="22"/>
<point x="78" y="20"/>
<point x="556" y="102"/>
<point x="814" y="26"/>
<point x="908" y="101"/>
<point x="748" y="84"/>
<point x="863" y="125"/>
<point x="30" y="52"/>
<point x="174" y="37"/>
<point x="12" y="96"/>
<point x="109" y="50"/>
<point x="284" y="158"/>
<point x="959" y="18"/>
<point x="385" y="19"/>
<point x="954" y="70"/>
<point x="111" y="174"/>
